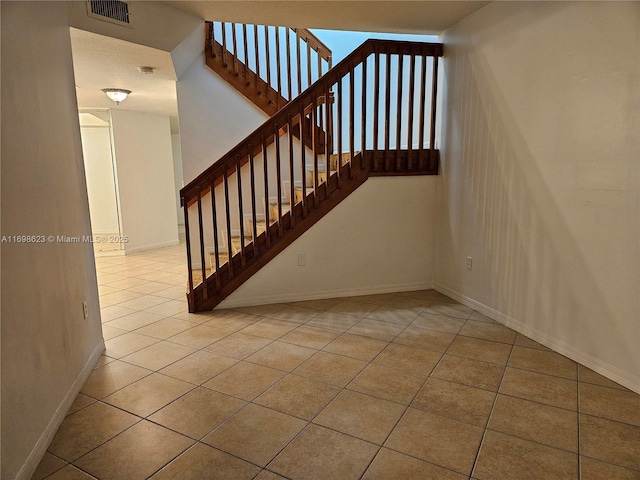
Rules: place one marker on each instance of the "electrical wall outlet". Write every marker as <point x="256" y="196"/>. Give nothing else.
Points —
<point x="302" y="260"/>
<point x="469" y="263"/>
<point x="85" y="310"/>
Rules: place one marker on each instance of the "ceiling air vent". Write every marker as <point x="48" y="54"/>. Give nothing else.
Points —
<point x="113" y="11"/>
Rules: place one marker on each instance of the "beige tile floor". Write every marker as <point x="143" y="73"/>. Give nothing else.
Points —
<point x="397" y="386"/>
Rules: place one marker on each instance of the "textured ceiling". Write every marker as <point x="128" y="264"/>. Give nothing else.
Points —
<point x="424" y="17"/>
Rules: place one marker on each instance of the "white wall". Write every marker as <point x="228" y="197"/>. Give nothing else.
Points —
<point x="540" y="173"/>
<point x="48" y="348"/>
<point x="177" y="174"/>
<point x="101" y="188"/>
<point x="213" y="116"/>
<point x="379" y="239"/>
<point x="146" y="185"/>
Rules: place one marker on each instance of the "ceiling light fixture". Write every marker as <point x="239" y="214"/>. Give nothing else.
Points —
<point x="117" y="94"/>
<point x="145" y="70"/>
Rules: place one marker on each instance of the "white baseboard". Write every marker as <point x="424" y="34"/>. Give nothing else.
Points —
<point x="597" y="365"/>
<point x="131" y="251"/>
<point x="40" y="448"/>
<point x="233" y="302"/>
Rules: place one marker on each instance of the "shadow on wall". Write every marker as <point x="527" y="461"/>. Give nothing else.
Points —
<point x="538" y="273"/>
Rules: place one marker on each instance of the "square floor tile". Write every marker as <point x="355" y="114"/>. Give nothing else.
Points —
<point x="321" y="304"/>
<point x="158" y="355"/>
<point x="311" y="337"/>
<point x="587" y="375"/>
<point x="469" y="372"/>
<point x="281" y="356"/>
<point x="295" y="313"/>
<point x="239" y="345"/>
<point x="453" y="400"/>
<point x="478" y="349"/>
<point x="375" y="298"/>
<point x="245" y="380"/>
<point x="552" y="426"/>
<point x="353" y="308"/>
<point x="202" y="461"/>
<point x="70" y="473"/>
<point x="126" y="344"/>
<point x="538" y="387"/>
<point x="262" y="310"/>
<point x="540" y="361"/>
<point x="361" y="416"/>
<point x="381" y="330"/>
<point x="199" y="367"/>
<point x="334" y="321"/>
<point x="398" y="316"/>
<point x="394" y="465"/>
<point x="388" y="383"/>
<point x="439" y="323"/>
<point x="112" y="377"/>
<point x="610" y="441"/>
<point x="111" y="332"/>
<point x="79" y="403"/>
<point x="456" y="310"/>
<point x="443" y="441"/>
<point x="110" y="313"/>
<point x="231" y="320"/>
<point x="270" y="328"/>
<point x="423" y="338"/>
<point x="88" y="428"/>
<point x="523" y="341"/>
<point x="322" y="453"/>
<point x="255" y="434"/>
<point x="414" y="360"/>
<point x="47" y="466"/>
<point x="198" y="412"/>
<point x="165" y="328"/>
<point x="136" y="453"/>
<point x="330" y="368"/>
<point x="148" y="394"/>
<point x="610" y="403"/>
<point x="298" y="396"/>
<point x="355" y="346"/>
<point x="488" y="331"/>
<point x="135" y="320"/>
<point x="199" y="336"/>
<point x="506" y="457"/>
<point x="591" y="469"/>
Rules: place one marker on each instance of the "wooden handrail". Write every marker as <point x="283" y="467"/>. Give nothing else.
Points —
<point x="307" y="157"/>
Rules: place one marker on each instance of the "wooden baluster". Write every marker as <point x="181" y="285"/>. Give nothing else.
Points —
<point x="224" y="44"/>
<point x="276" y="131"/>
<point x="254" y="217"/>
<point x="299" y="64"/>
<point x="267" y="48"/>
<point x="339" y="132"/>
<point x="289" y="64"/>
<point x="257" y="54"/>
<point x="214" y="215"/>
<point x="308" y="65"/>
<point x="209" y="37"/>
<point x="291" y="175"/>
<point x="266" y="191"/>
<point x="319" y="65"/>
<point x="423" y="81"/>
<point x="352" y="124"/>
<point x="314" y="150"/>
<point x="387" y="111"/>
<point x="399" y="109"/>
<point x="279" y="73"/>
<point x="363" y="127"/>
<point x="303" y="161"/>
<point x="243" y="258"/>
<point x="228" y="215"/>
<point x="201" y="236"/>
<point x="327" y="136"/>
<point x="235" y="48"/>
<point x="432" y="137"/>
<point x="187" y="239"/>
<point x="376" y="110"/>
<point x="412" y="75"/>
<point x="246" y="54"/>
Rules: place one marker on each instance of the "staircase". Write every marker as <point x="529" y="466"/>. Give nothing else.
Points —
<point x="373" y="114"/>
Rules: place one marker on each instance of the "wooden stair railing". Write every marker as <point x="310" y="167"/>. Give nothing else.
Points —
<point x="273" y="186"/>
<point x="270" y="65"/>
